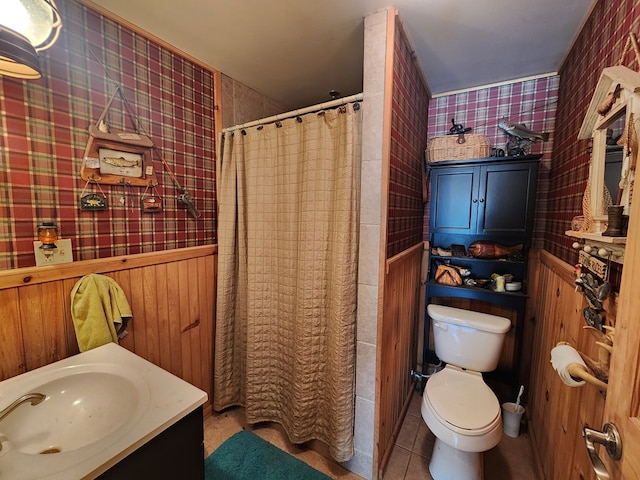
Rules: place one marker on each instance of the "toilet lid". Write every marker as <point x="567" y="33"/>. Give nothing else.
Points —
<point x="462" y="399"/>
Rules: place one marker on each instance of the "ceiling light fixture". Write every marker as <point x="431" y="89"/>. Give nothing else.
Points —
<point x="26" y="28"/>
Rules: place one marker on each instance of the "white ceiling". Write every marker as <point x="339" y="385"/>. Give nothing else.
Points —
<point x="296" y="51"/>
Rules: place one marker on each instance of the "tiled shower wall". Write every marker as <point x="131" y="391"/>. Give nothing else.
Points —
<point x="44" y="134"/>
<point x="404" y="220"/>
<point x="375" y="44"/>
<point x="531" y="102"/>
<point x="241" y="104"/>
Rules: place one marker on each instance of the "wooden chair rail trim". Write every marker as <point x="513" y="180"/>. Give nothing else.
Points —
<point x="34" y="275"/>
<point x="559" y="267"/>
<point x="398" y="257"/>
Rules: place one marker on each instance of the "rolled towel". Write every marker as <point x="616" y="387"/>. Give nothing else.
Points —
<point x="561" y="357"/>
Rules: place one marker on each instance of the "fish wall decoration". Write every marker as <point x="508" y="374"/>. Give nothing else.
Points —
<point x="520" y="138"/>
<point x="522" y="132"/>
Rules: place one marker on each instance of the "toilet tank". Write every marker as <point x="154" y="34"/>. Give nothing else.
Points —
<point x="467" y="339"/>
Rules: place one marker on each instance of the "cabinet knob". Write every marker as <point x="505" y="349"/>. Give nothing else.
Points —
<point x="475" y="200"/>
<point x="481" y="200"/>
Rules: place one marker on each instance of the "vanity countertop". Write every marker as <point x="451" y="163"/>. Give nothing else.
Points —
<point x="160" y="399"/>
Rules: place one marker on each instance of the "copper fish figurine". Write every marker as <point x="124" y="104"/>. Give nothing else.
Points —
<point x="481" y="249"/>
<point x="522" y="132"/>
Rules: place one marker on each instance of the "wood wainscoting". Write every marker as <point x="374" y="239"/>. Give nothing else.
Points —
<point x="171" y="294"/>
<point x="557" y="412"/>
<point x="397" y="337"/>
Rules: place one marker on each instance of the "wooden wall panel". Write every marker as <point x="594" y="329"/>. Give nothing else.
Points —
<point x="12" y="352"/>
<point x="555" y="411"/>
<point x="398" y="339"/>
<point x="173" y="302"/>
<point x="171" y="294"/>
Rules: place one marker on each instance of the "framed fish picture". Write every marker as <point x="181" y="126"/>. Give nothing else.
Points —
<point x="118" y="162"/>
<point x="117" y="158"/>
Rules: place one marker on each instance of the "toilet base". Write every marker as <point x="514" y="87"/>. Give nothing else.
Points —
<point x="448" y="463"/>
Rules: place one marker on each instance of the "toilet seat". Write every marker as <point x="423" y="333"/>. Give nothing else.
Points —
<point x="461" y="400"/>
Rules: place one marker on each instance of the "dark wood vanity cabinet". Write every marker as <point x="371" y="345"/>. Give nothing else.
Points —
<point x="488" y="199"/>
<point x="177" y="452"/>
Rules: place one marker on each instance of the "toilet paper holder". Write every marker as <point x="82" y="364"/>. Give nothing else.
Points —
<point x="600" y="367"/>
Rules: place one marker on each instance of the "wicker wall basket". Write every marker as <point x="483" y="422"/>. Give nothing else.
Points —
<point x="448" y="148"/>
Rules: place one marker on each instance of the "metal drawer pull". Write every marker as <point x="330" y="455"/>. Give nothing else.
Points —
<point x="610" y="438"/>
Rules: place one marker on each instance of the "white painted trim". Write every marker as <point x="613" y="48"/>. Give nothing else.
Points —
<point x="497" y="84"/>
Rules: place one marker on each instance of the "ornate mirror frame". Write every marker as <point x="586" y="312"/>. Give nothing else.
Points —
<point x="617" y="93"/>
<point x="618" y="87"/>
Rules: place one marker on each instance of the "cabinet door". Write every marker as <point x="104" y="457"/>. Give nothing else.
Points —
<point x="454" y="199"/>
<point x="506" y="198"/>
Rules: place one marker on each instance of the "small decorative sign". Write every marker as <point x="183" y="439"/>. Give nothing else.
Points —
<point x="151" y="204"/>
<point x="92" y="162"/>
<point x="94" y="202"/>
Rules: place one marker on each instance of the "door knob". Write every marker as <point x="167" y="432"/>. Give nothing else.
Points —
<point x="610" y="438"/>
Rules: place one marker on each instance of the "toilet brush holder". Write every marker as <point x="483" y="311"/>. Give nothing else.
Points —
<point x="511" y="419"/>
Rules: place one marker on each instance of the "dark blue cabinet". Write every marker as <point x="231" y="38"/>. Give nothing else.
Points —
<point x="484" y="197"/>
<point x="489" y="199"/>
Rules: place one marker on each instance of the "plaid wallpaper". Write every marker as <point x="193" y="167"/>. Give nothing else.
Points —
<point x="599" y="45"/>
<point x="531" y="102"/>
<point x="410" y="101"/>
<point x="44" y="133"/>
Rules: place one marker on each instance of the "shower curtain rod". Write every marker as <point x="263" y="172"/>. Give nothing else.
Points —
<point x="294" y="113"/>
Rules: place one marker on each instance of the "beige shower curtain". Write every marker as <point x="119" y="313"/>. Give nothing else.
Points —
<point x="287" y="263"/>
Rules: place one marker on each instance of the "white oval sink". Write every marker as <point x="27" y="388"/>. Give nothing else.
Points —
<point x="80" y="408"/>
<point x="100" y="406"/>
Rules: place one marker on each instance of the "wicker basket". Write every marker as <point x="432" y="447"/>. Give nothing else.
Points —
<point x="448" y="148"/>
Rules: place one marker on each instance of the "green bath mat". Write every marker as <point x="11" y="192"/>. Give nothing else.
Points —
<point x="245" y="456"/>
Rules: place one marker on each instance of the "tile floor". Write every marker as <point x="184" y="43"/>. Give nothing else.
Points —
<point x="220" y="426"/>
<point x="510" y="460"/>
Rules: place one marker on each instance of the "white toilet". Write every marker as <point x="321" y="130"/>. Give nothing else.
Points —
<point x="457" y="406"/>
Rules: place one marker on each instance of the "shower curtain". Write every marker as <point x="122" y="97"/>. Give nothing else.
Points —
<point x="288" y="198"/>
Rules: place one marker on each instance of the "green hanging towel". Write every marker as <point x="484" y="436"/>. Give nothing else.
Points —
<point x="99" y="309"/>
